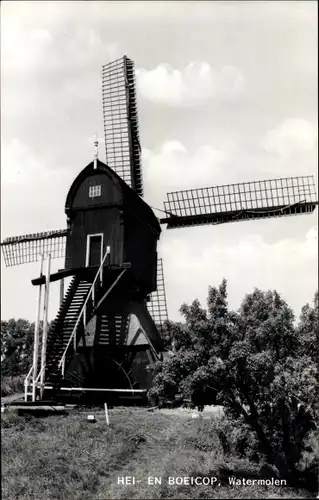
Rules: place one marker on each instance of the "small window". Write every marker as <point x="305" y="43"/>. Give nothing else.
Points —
<point x="94" y="191"/>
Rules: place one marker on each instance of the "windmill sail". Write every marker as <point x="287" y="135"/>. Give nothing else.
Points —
<point x="157" y="305"/>
<point x="123" y="151"/>
<point x="237" y="202"/>
<point x="28" y="247"/>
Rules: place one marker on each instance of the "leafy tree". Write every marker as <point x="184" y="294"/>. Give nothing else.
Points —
<point x="308" y="330"/>
<point x="255" y="362"/>
<point x="16" y="346"/>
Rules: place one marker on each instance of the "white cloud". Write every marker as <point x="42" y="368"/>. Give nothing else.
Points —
<point x="18" y="166"/>
<point x="171" y="168"/>
<point x="29" y="50"/>
<point x="292" y="136"/>
<point x="51" y="102"/>
<point x="198" y="81"/>
<point x="22" y="49"/>
<point x="195" y="258"/>
<point x="32" y="192"/>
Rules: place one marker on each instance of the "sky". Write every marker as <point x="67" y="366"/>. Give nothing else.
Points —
<point x="227" y="92"/>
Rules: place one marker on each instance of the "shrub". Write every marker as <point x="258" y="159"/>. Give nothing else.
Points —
<point x="12" y="385"/>
<point x="256" y="364"/>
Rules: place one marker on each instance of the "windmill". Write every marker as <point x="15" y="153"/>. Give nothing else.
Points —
<point x="109" y="322"/>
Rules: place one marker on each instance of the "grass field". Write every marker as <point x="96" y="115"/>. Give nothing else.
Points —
<point x="65" y="457"/>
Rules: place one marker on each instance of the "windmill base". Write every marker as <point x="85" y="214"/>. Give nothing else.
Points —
<point x="104" y="374"/>
<point x="91" y="396"/>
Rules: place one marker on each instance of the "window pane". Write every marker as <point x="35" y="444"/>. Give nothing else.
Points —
<point x="94" y="191"/>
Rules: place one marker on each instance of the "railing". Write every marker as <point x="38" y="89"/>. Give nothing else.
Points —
<point x="34" y="367"/>
<point x="82" y="313"/>
<point x="35" y="383"/>
<point x="26" y="384"/>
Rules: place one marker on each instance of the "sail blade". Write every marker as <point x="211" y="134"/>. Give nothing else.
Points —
<point x="123" y="151"/>
<point x="27" y="248"/>
<point x="157" y="306"/>
<point x="237" y="202"/>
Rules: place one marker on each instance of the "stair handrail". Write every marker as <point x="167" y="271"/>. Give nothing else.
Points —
<point x="62" y="360"/>
<point x="26" y="382"/>
<point x="36" y="380"/>
<point x="37" y="383"/>
<point x="29" y="373"/>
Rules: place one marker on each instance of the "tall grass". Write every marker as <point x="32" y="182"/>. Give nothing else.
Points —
<point x="67" y="458"/>
<point x="12" y="385"/>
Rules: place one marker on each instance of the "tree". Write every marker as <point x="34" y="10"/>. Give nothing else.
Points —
<point x="253" y="360"/>
<point x="308" y="330"/>
<point x="16" y="346"/>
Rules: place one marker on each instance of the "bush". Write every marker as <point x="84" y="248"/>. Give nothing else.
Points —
<point x="16" y="346"/>
<point x="12" y="385"/>
<point x="309" y="463"/>
<point x="255" y="363"/>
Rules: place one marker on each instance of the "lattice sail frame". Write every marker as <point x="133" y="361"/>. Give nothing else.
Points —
<point x="157" y="306"/>
<point x="123" y="150"/>
<point x="235" y="202"/>
<point x="27" y="248"/>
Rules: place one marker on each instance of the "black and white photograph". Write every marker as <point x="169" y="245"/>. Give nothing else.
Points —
<point x="159" y="249"/>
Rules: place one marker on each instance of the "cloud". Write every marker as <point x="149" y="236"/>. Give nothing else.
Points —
<point x="197" y="82"/>
<point x="294" y="135"/>
<point x="194" y="258"/>
<point x="245" y="260"/>
<point x="270" y="254"/>
<point x="32" y="191"/>
<point x="37" y="53"/>
<point x="19" y="166"/>
<point x="22" y="49"/>
<point x="171" y="167"/>
<point x="51" y="103"/>
<point x="41" y="57"/>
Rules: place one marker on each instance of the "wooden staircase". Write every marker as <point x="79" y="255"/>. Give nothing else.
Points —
<point x="62" y="328"/>
<point x="72" y="366"/>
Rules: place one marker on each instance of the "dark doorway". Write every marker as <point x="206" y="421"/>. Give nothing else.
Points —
<point x="95" y="250"/>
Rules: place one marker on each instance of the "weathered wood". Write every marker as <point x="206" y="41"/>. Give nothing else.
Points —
<point x="124" y="221"/>
<point x="104" y="212"/>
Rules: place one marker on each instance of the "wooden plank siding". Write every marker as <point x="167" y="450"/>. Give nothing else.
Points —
<point x="110" y="191"/>
<point x="85" y="222"/>
<point x="127" y="223"/>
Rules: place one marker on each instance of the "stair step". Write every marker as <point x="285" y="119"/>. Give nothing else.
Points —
<point x="63" y="326"/>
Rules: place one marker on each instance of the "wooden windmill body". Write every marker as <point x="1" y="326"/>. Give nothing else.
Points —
<point x="108" y="327"/>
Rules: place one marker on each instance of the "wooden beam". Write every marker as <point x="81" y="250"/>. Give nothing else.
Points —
<point x="55" y="276"/>
<point x="63" y="273"/>
<point x="87" y="389"/>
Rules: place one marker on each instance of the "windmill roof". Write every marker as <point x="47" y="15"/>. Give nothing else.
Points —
<point x="128" y="193"/>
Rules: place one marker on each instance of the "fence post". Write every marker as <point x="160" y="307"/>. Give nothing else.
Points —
<point x="61" y="291"/>
<point x="106" y="414"/>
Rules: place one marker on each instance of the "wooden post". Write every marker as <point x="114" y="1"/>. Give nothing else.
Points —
<point x="45" y="324"/>
<point x="61" y="291"/>
<point x="36" y="337"/>
<point x="106" y="414"/>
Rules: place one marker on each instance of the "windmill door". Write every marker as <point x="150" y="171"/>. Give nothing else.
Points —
<point x="94" y="249"/>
